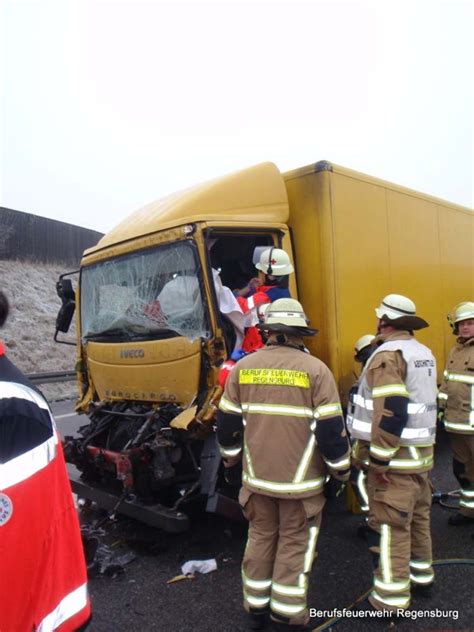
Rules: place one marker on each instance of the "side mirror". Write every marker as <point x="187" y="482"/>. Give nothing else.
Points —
<point x="66" y="293"/>
<point x="65" y="290"/>
<point x="64" y="317"/>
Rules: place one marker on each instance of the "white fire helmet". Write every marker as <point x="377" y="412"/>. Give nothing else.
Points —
<point x="261" y="311"/>
<point x="400" y="312"/>
<point x="395" y="306"/>
<point x="275" y="262"/>
<point x="364" y="341"/>
<point x="286" y="311"/>
<point x="462" y="311"/>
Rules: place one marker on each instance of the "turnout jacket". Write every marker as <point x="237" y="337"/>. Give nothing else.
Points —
<point x="456" y="394"/>
<point x="394" y="421"/>
<point x="281" y="414"/>
<point x="43" y="582"/>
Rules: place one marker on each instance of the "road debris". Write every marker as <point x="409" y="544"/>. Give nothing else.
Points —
<point x="100" y="558"/>
<point x="179" y="578"/>
<point x="199" y="566"/>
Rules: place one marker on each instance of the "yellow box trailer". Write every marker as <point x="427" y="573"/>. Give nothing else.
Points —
<point x="357" y="239"/>
<point x="151" y="337"/>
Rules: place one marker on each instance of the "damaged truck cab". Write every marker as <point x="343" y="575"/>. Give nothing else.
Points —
<point x="151" y="339"/>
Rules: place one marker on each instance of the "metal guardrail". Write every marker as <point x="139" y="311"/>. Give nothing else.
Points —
<point x="50" y="378"/>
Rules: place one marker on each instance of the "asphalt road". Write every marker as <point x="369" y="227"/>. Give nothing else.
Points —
<point x="141" y="600"/>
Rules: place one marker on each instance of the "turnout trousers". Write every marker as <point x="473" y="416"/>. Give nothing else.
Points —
<point x="399" y="537"/>
<point x="358" y="482"/>
<point x="280" y="550"/>
<point x="463" y="468"/>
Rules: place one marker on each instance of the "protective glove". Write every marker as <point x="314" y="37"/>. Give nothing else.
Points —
<point x="237" y="354"/>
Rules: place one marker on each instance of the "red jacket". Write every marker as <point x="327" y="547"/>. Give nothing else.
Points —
<point x="43" y="581"/>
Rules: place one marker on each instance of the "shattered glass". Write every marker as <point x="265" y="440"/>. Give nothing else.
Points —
<point x="144" y="295"/>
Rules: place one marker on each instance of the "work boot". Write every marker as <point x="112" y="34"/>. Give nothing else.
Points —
<point x="458" y="519"/>
<point x="257" y="620"/>
<point x="391" y="617"/>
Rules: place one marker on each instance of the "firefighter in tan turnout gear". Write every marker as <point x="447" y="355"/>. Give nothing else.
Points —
<point x="456" y="399"/>
<point x="394" y="424"/>
<point x="281" y="414"/>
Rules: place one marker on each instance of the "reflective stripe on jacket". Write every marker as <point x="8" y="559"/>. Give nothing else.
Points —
<point x="408" y="459"/>
<point x="294" y="432"/>
<point x="420" y="428"/>
<point x="456" y="394"/>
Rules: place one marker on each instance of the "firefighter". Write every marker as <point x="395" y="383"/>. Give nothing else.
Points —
<point x="456" y="399"/>
<point x="363" y="350"/>
<point x="280" y="413"/>
<point x="43" y="582"/>
<point x="394" y="426"/>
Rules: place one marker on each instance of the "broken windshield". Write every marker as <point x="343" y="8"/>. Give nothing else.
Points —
<point x="144" y="295"/>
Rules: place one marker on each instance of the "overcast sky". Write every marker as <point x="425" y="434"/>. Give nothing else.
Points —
<point x="108" y="105"/>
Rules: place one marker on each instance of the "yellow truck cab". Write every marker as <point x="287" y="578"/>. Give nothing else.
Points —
<point x="151" y="336"/>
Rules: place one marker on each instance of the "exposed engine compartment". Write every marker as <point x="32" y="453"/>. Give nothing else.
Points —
<point x="129" y="448"/>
